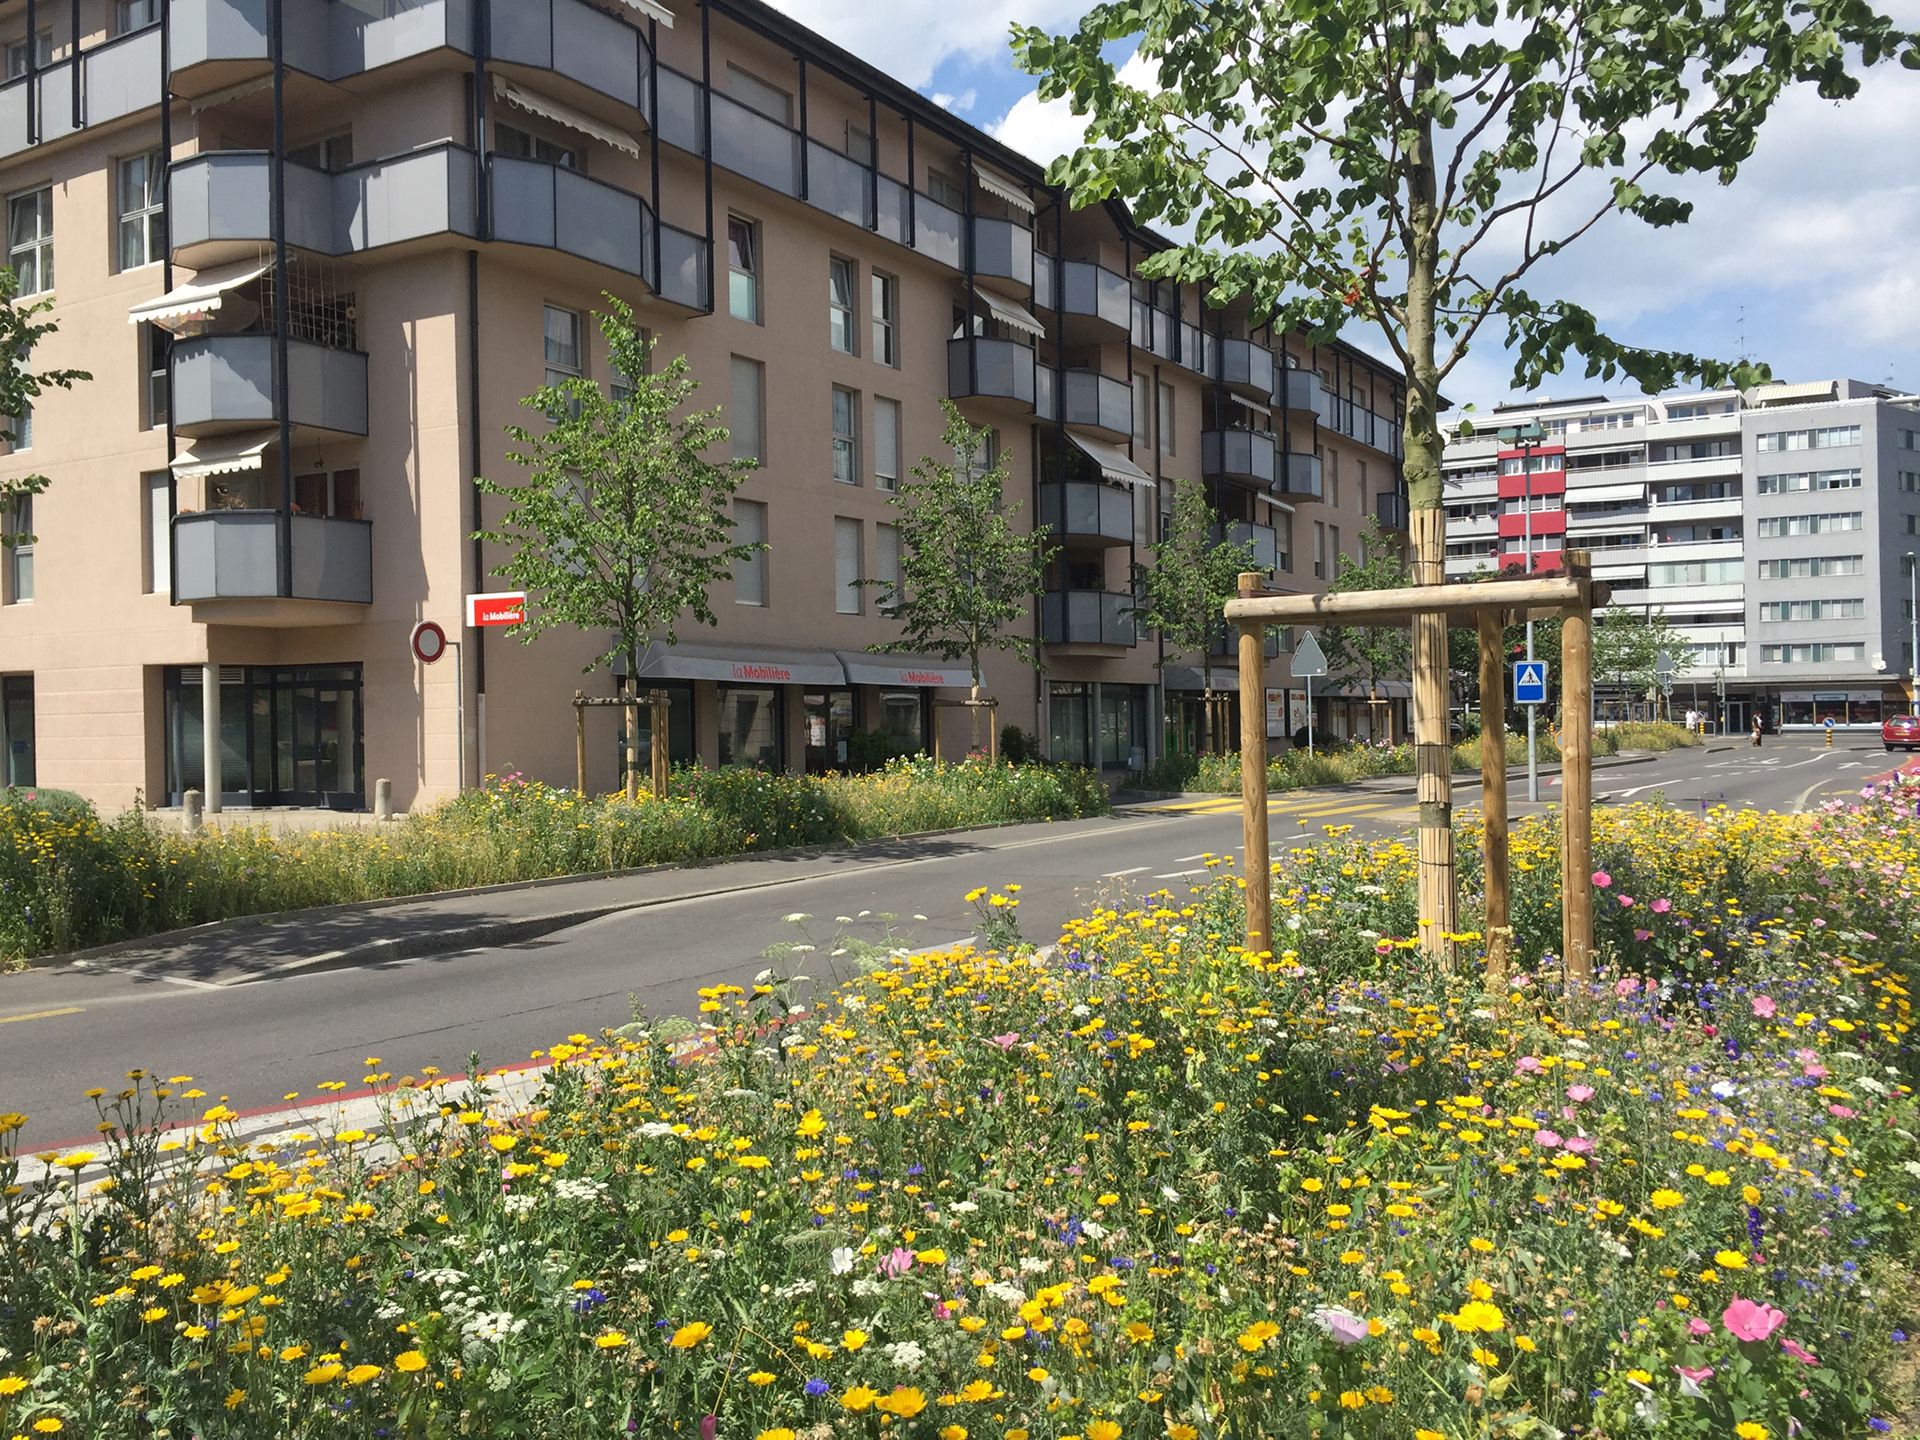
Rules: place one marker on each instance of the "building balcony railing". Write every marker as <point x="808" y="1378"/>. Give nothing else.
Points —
<point x="1302" y="392"/>
<point x="234" y="555"/>
<point x="1002" y="371"/>
<point x="535" y="203"/>
<point x="1265" y="544"/>
<point x="576" y="42"/>
<point x="1390" y="509"/>
<point x="1087" y="512"/>
<point x="1003" y="250"/>
<point x="117" y="78"/>
<point x="1299" y="476"/>
<point x="1226" y="644"/>
<point x="1246" y="366"/>
<point x="1091" y="298"/>
<point x="1172" y="339"/>
<point x="228" y="382"/>
<point x="1247" y="457"/>
<point x="1086" y="400"/>
<point x="1087" y="617"/>
<point x="217" y="43"/>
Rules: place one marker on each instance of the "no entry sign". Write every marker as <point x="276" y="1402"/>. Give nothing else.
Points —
<point x="429" y="642"/>
<point x="502" y="607"/>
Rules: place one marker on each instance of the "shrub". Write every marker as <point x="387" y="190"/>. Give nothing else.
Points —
<point x="1017" y="747"/>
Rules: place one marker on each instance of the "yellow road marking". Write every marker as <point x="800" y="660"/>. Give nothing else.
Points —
<point x="40" y="1015"/>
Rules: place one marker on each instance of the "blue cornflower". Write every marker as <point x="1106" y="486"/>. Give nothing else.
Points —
<point x="817" y="1388"/>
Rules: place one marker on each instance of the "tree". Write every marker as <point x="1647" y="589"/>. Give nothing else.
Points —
<point x="1410" y="165"/>
<point x="622" y="524"/>
<point x="1193" y="574"/>
<point x="1628" y="644"/>
<point x="20" y="330"/>
<point x="1369" y="652"/>
<point x="966" y="571"/>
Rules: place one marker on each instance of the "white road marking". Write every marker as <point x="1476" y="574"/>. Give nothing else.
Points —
<point x="147" y="975"/>
<point x="1122" y="874"/>
<point x="1183" y="859"/>
<point x="1179" y="874"/>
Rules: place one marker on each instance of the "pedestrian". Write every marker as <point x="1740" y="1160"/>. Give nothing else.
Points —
<point x="1693" y="721"/>
<point x="1758" y="727"/>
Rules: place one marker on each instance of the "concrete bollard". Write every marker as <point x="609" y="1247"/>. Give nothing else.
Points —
<point x="383" y="800"/>
<point x="190" y="812"/>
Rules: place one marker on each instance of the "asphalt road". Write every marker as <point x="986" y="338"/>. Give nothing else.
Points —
<point x="63" y="1030"/>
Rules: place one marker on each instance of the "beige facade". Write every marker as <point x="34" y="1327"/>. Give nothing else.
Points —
<point x="455" y="179"/>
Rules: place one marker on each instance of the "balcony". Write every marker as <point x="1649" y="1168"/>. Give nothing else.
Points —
<point x="1390" y="509"/>
<point x="1302" y="392"/>
<point x="1245" y="366"/>
<point x="227" y="382"/>
<point x="755" y="145"/>
<point x="1086" y="400"/>
<point x="1265" y="544"/>
<point x="556" y="208"/>
<point x="118" y="78"/>
<point x="587" y="49"/>
<point x="1087" y="617"/>
<point x="1087" y="513"/>
<point x="1247" y="457"/>
<point x="218" y="43"/>
<point x="999" y="372"/>
<point x="1003" y="250"/>
<point x="227" y="563"/>
<point x="1095" y="303"/>
<point x="1299" y="476"/>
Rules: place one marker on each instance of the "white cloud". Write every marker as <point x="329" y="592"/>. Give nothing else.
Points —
<point x="959" y="104"/>
<point x="910" y="39"/>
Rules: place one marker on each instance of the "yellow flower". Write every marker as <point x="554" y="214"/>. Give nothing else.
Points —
<point x="408" y="1361"/>
<point x="1748" y="1430"/>
<point x="610" y="1339"/>
<point x="857" y="1399"/>
<point x="778" y="1433"/>
<point x="1729" y="1260"/>
<point x="976" y="1391"/>
<point x="853" y="1339"/>
<point x="1257" y="1334"/>
<point x="361" y="1374"/>
<point x="1666" y="1199"/>
<point x="12" y="1384"/>
<point x="47" y="1425"/>
<point x="324" y="1373"/>
<point x="811" y="1124"/>
<point x="904" y="1403"/>
<point x="688" y="1336"/>
<point x="1182" y="1432"/>
<point x="1103" y="1430"/>
<point x="935" y="1256"/>
<point x="1477" y="1315"/>
<point x="953" y="1432"/>
<point x="503" y="1143"/>
<point x="1428" y="1435"/>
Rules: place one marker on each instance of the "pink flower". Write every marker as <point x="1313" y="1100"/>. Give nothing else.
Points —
<point x="1601" y="879"/>
<point x="1661" y="906"/>
<point x="1006" y="1041"/>
<point x="1803" y="1356"/>
<point x="1629" y="985"/>
<point x="1841" y="1112"/>
<point x="1580" y="1145"/>
<point x="898" y="1262"/>
<point x="709" y="1426"/>
<point x="1546" y="1139"/>
<point x="1764" y="1007"/>
<point x="1579" y="1094"/>
<point x="1697" y="1327"/>
<point x="1691" y="1379"/>
<point x="1626" y="901"/>
<point x="1529" y="1065"/>
<point x="1643" y="934"/>
<point x="1752" y="1319"/>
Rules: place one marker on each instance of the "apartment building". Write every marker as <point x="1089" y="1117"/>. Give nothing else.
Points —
<point x="314" y="252"/>
<point x="1771" y="528"/>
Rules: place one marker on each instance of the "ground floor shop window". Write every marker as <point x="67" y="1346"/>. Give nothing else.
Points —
<point x="903" y="719"/>
<point x="16" y="731"/>
<point x="680" y="736"/>
<point x="1843" y="707"/>
<point x="750" y="726"/>
<point x="289" y="735"/>
<point x="830" y="727"/>
<point x="1123" y="726"/>
<point x="1070" y="724"/>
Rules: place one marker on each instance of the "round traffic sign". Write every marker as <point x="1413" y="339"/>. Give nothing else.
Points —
<point x="429" y="642"/>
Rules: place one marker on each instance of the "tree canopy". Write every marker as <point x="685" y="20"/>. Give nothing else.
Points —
<point x="1369" y="653"/>
<point x="21" y="328"/>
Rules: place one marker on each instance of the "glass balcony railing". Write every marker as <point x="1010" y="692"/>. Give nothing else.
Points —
<point x="1265" y="544"/>
<point x="1084" y="290"/>
<point x="1301" y="391"/>
<point x="1245" y="456"/>
<point x="1245" y="365"/>
<point x="235" y="555"/>
<point x="227" y="382"/>
<point x="1299" y="476"/>
<point x="1003" y="250"/>
<point x="980" y="368"/>
<point x="1390" y="509"/>
<point x="1087" y="617"/>
<point x="1087" y="512"/>
<point x="1086" y="400"/>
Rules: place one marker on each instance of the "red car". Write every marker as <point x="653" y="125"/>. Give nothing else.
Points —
<point x="1900" y="732"/>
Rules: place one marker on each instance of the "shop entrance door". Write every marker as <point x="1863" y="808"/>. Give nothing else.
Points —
<point x="306" y="738"/>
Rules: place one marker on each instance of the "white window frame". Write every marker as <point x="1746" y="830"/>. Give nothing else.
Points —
<point x="16" y="57"/>
<point x="517" y="142"/>
<point x="131" y="15"/>
<point x="559" y="371"/>
<point x="885" y="303"/>
<point x="848" y="596"/>
<point x="846" y="443"/>
<point x="38" y="245"/>
<point x="888" y="431"/>
<point x="145" y="221"/>
<point x="743" y="281"/>
<point x="19" y="521"/>
<point x="887" y="564"/>
<point x="750" y="571"/>
<point x="749" y="447"/>
<point x="762" y="97"/>
<point x="158" y="496"/>
<point x="843" y="315"/>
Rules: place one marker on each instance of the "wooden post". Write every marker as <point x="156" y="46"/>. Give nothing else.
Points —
<point x="630" y="755"/>
<point x="657" y="746"/>
<point x="1576" y="779"/>
<point x="1253" y="775"/>
<point x="580" y="742"/>
<point x="1493" y="798"/>
<point x="1432" y="746"/>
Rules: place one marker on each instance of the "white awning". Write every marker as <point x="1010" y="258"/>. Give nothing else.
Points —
<point x="1011" y="314"/>
<point x="1779" y="394"/>
<point x="652" y="9"/>
<point x="742" y="664"/>
<point x="1253" y="406"/>
<point x="1112" y="460"/>
<point x="1604" y="494"/>
<point x="225" y="454"/>
<point x="1002" y="189"/>
<point x="199" y="298"/>
<point x="548" y="108"/>
<point x="904" y="671"/>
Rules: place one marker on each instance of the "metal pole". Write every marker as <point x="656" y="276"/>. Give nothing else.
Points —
<point x="459" y="719"/>
<point x="1533" y="711"/>
<point x="1309" y="715"/>
<point x="1913" y="629"/>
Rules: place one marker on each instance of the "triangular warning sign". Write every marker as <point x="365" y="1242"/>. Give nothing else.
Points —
<point x="1309" y="660"/>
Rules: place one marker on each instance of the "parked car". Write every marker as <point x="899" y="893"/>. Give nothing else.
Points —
<point x="1900" y="732"/>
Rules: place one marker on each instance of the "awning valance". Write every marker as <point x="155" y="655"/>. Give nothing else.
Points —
<point x="742" y="664"/>
<point x="1778" y="394"/>
<point x="1253" y="406"/>
<point x="225" y="454"/>
<point x="904" y="671"/>
<point x="198" y="298"/>
<point x="652" y="9"/>
<point x="1605" y="494"/>
<point x="1002" y="189"/>
<point x="545" y="106"/>
<point x="1011" y="314"/>
<point x="1112" y="460"/>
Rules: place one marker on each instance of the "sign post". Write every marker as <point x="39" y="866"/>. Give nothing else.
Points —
<point x="1530" y="690"/>
<point x="429" y="642"/>
<point x="1309" y="660"/>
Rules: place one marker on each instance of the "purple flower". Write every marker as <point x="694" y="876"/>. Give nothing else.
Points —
<point x="817" y="1388"/>
<point x="1343" y="1326"/>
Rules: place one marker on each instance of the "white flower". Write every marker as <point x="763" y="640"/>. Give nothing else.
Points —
<point x="795" y="1290"/>
<point x="853" y="1002"/>
<point x="1034" y="1265"/>
<point x="843" y="919"/>
<point x="866" y="1287"/>
<point x="521" y="1204"/>
<point x="796" y="917"/>
<point x="905" y="1354"/>
<point x="1009" y="1294"/>
<point x="1725" y="1089"/>
<point x="578" y="1190"/>
<point x="655" y="1130"/>
<point x="962" y="1207"/>
<point x="1169" y="1194"/>
<point x="841" y="1261"/>
<point x="1093" y="1230"/>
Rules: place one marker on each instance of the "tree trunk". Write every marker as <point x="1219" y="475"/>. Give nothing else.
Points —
<point x="1206" y="705"/>
<point x="1433" y="760"/>
<point x="973" y="707"/>
<point x="630" y="757"/>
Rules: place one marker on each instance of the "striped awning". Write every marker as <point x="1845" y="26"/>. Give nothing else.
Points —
<point x="652" y="9"/>
<point x="1011" y="314"/>
<point x="1002" y="189"/>
<point x="1114" y="462"/>
<point x="545" y="106"/>
<point x="199" y="298"/>
<point x="225" y="454"/>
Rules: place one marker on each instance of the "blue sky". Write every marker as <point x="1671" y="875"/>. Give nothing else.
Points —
<point x="1813" y="255"/>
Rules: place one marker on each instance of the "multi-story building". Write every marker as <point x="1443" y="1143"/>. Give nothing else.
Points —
<point x="313" y="253"/>
<point x="1771" y="528"/>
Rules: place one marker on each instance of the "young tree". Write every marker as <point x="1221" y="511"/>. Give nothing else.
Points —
<point x="966" y="571"/>
<point x="1628" y="644"/>
<point x="622" y="524"/>
<point x="1193" y="574"/>
<point x="1411" y="165"/>
<point x="20" y="330"/>
<point x="1370" y="652"/>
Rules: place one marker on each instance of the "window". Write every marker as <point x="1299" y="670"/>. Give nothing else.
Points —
<point x="756" y="94"/>
<point x="19" y="430"/>
<point x="983" y="460"/>
<point x="943" y="189"/>
<point x="16" y="731"/>
<point x="748" y="422"/>
<point x="846" y="565"/>
<point x="1909" y="439"/>
<point x="132" y="14"/>
<point x="1909" y="482"/>
<point x="1911" y="527"/>
<point x="1804" y="480"/>
<point x="859" y="145"/>
<point x="750" y="571"/>
<point x="1334" y="558"/>
<point x="333" y="494"/>
<point x="1817" y="568"/>
<point x="1826" y="438"/>
<point x="752" y="719"/>
<point x="1333" y="478"/>
<point x="17" y="54"/>
<point x="1142" y="414"/>
<point x="1283" y="540"/>
<point x="1776" y="527"/>
<point x="563" y="345"/>
<point x="840" y="275"/>
<point x="1320" y="549"/>
<point x="1166" y="418"/>
<point x="1777" y="610"/>
<point x="886" y="561"/>
<point x="334" y="153"/>
<point x="743" y="269"/>
<point x="886" y="323"/>
<point x="886" y="444"/>
<point x="19" y="527"/>
<point x="521" y="144"/>
<point x="846" y="436"/>
<point x="156" y="392"/>
<point x="1694" y="572"/>
<point x="159" y="523"/>
<point x="30" y="239"/>
<point x="1818" y="654"/>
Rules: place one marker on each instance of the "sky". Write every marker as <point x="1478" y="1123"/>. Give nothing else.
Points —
<point x="1810" y="262"/>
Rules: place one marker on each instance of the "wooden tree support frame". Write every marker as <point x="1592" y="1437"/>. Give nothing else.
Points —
<point x="992" y="709"/>
<point x="1573" y="595"/>
<point x="658" y="702"/>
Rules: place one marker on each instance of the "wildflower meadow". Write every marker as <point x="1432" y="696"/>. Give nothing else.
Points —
<point x="1136" y="1185"/>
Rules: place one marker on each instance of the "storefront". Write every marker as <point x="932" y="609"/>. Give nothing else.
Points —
<point x="289" y="735"/>
<point x="16" y="730"/>
<point x="900" y="691"/>
<point x="1856" y="709"/>
<point x="1101" y="726"/>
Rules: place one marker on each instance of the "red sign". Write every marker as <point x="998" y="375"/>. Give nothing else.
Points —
<point x="429" y="642"/>
<point x="503" y="607"/>
<point x="747" y="670"/>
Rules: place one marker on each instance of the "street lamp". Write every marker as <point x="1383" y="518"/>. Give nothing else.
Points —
<point x="1913" y="633"/>
<point x="1525" y="436"/>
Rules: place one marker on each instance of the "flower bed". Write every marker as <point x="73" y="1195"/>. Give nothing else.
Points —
<point x="69" y="879"/>
<point x="1141" y="1186"/>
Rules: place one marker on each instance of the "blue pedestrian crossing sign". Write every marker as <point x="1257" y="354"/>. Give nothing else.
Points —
<point x="1530" y="682"/>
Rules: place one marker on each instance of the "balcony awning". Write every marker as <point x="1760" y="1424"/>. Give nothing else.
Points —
<point x="1226" y="678"/>
<point x="1605" y="494"/>
<point x="904" y="671"/>
<point x="1002" y="189"/>
<point x="534" y="103"/>
<point x="225" y="454"/>
<point x="1112" y="460"/>
<point x="742" y="664"/>
<point x="652" y="9"/>
<point x="199" y="298"/>
<point x="1011" y="314"/>
<point x="1252" y="406"/>
<point x="1784" y="394"/>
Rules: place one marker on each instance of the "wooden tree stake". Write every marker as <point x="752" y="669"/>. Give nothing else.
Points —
<point x="1576" y="780"/>
<point x="579" y="742"/>
<point x="1253" y="775"/>
<point x="1493" y="798"/>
